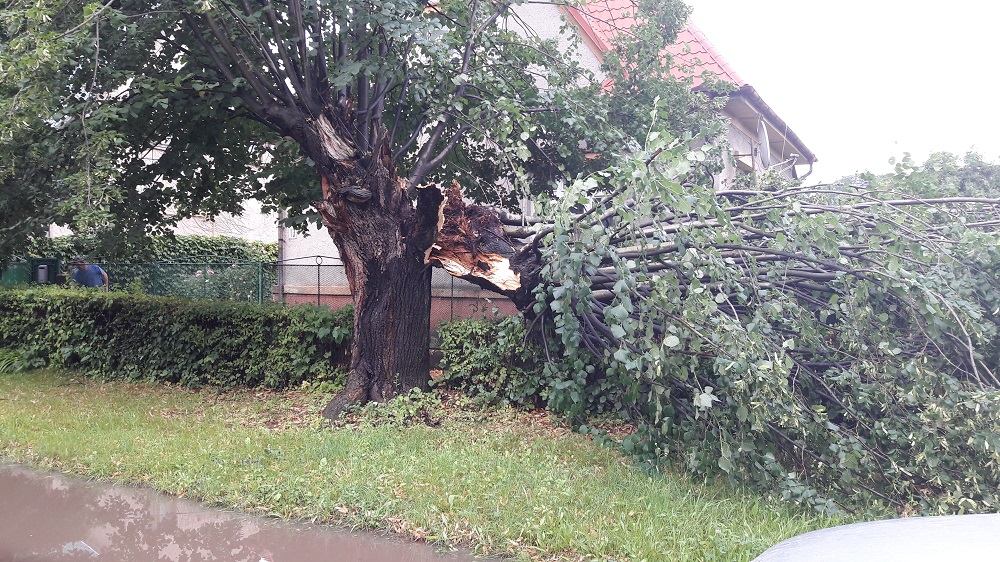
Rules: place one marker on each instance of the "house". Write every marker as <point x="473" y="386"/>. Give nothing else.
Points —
<point x="758" y="139"/>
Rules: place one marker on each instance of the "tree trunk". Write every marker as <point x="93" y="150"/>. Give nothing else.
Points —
<point x="389" y="246"/>
<point x="383" y="240"/>
<point x="392" y="300"/>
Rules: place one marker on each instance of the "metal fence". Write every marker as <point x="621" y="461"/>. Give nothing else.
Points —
<point x="319" y="280"/>
<point x="207" y="279"/>
<point x="17" y="273"/>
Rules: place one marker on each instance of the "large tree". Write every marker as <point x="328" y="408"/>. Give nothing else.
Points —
<point x="826" y="340"/>
<point x="344" y="110"/>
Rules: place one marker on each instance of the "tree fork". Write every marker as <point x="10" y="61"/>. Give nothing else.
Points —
<point x="389" y="260"/>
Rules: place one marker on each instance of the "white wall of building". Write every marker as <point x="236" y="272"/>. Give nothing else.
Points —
<point x="316" y="242"/>
<point x="545" y="21"/>
<point x="253" y="224"/>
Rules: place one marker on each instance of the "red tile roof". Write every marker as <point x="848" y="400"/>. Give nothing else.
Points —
<point x="600" y="21"/>
<point x="693" y="54"/>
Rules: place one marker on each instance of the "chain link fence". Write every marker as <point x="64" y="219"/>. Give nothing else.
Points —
<point x="318" y="280"/>
<point x="321" y="280"/>
<point x="205" y="279"/>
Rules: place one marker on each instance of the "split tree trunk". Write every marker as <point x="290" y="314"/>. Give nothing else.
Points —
<point x="471" y="244"/>
<point x="389" y="246"/>
<point x="383" y="240"/>
<point x="388" y="257"/>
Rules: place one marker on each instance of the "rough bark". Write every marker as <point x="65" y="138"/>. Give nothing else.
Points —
<point x="382" y="239"/>
<point x="389" y="247"/>
<point x="391" y="288"/>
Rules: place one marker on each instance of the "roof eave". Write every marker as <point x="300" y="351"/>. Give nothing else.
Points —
<point x="594" y="42"/>
<point x="750" y="95"/>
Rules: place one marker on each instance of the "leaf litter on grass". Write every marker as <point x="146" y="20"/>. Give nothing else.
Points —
<point x="442" y="429"/>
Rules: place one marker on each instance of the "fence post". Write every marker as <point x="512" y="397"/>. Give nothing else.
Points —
<point x="260" y="282"/>
<point x="319" y="262"/>
<point x="280" y="265"/>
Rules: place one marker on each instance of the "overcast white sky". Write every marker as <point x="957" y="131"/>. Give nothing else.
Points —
<point x="862" y="80"/>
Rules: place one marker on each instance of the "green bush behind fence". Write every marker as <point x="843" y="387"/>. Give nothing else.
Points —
<point x="192" y="342"/>
<point x="210" y="279"/>
<point x="152" y="249"/>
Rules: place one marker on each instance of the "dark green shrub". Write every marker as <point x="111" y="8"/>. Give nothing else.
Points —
<point x="489" y="359"/>
<point x="156" y="248"/>
<point x="135" y="337"/>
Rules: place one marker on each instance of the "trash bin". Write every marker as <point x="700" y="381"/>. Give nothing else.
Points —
<point x="44" y="270"/>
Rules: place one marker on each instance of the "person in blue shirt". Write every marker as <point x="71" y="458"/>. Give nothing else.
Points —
<point x="89" y="275"/>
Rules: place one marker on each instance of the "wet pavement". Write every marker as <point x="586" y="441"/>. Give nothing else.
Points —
<point x="54" y="518"/>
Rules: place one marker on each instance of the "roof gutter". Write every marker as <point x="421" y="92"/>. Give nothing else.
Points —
<point x="806" y="175"/>
<point x="750" y="96"/>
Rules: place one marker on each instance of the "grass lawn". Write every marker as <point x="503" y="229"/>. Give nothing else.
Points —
<point x="497" y="481"/>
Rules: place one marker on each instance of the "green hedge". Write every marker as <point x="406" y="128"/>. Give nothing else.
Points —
<point x="490" y="359"/>
<point x="191" y="342"/>
<point x="155" y="248"/>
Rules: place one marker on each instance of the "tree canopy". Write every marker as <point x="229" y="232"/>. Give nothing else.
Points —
<point x="126" y="110"/>
<point x="340" y="111"/>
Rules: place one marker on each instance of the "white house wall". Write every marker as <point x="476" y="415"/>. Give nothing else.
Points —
<point x="316" y="242"/>
<point x="545" y="21"/>
<point x="253" y="224"/>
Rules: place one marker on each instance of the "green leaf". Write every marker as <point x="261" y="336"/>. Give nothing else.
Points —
<point x="742" y="413"/>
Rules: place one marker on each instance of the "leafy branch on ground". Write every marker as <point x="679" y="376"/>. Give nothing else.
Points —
<point x="838" y="343"/>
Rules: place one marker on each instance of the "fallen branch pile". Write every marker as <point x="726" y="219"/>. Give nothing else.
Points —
<point x="805" y="336"/>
